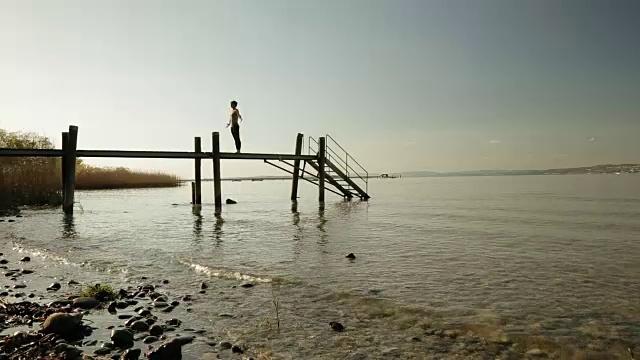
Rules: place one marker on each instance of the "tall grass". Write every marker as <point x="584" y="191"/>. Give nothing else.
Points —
<point x="94" y="178"/>
<point x="26" y="180"/>
<point x="38" y="181"/>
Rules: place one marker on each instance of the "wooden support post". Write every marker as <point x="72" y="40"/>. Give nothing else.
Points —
<point x="198" y="173"/>
<point x="321" y="164"/>
<point x="70" y="170"/>
<point x="63" y="165"/>
<point x="217" y="187"/>
<point x="296" y="168"/>
<point x="193" y="192"/>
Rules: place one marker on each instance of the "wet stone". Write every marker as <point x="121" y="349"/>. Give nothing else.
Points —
<point x="150" y="340"/>
<point x="140" y="326"/>
<point x="156" y="330"/>
<point x="102" y="351"/>
<point x="54" y="287"/>
<point x="225" y="345"/>
<point x="131" y="354"/>
<point x="122" y="338"/>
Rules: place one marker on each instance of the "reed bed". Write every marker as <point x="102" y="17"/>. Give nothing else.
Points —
<point x="26" y="181"/>
<point x="96" y="178"/>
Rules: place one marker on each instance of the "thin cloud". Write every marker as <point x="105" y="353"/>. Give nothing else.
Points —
<point x="494" y="142"/>
<point x="591" y="139"/>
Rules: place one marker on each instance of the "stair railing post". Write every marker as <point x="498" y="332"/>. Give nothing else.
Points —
<point x="321" y="168"/>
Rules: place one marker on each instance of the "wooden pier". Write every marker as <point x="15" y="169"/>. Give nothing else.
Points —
<point x="332" y="165"/>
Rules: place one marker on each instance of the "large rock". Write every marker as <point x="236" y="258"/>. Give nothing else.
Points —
<point x="65" y="325"/>
<point x="122" y="338"/>
<point x="86" y="303"/>
<point x="140" y="326"/>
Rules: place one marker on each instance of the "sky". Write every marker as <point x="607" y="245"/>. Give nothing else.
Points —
<point x="403" y="85"/>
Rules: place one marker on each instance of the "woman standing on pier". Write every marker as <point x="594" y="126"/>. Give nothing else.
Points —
<point x="235" y="124"/>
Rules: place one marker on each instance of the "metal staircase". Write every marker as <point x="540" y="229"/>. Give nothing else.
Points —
<point x="344" y="175"/>
<point x="342" y="171"/>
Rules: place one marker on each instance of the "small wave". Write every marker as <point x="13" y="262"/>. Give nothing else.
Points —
<point x="47" y="255"/>
<point x="225" y="274"/>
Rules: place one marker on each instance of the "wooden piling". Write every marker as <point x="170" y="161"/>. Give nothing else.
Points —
<point x="65" y="140"/>
<point x="217" y="186"/>
<point x="70" y="170"/>
<point x="198" y="172"/>
<point x="296" y="168"/>
<point x="321" y="165"/>
<point x="193" y="192"/>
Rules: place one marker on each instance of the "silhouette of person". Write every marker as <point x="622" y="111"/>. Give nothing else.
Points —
<point x="234" y="121"/>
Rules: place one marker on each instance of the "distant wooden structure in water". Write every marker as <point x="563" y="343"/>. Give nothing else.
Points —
<point x="387" y="176"/>
<point x="330" y="165"/>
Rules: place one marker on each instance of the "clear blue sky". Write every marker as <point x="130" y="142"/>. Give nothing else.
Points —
<point x="403" y="85"/>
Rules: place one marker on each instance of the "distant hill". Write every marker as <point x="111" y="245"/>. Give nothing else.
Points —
<point x="597" y="169"/>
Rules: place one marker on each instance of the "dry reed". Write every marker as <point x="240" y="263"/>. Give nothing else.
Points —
<point x="38" y="181"/>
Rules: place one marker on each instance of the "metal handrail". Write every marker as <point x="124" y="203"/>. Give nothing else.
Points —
<point x="348" y="155"/>
<point x="346" y="162"/>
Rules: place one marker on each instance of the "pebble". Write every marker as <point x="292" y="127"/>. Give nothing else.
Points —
<point x="247" y="285"/>
<point x="187" y="298"/>
<point x="175" y="303"/>
<point x="336" y="326"/>
<point x="165" y="282"/>
<point x="237" y="350"/>
<point x="125" y="316"/>
<point x="350" y="256"/>
<point x="73" y="282"/>
<point x="54" y="287"/>
<point x="122" y="305"/>
<point x="160" y="304"/>
<point x="225" y="345"/>
<point x="4" y="261"/>
<point x="174" y="322"/>
<point x="156" y="330"/>
<point x="86" y="303"/>
<point x="19" y="286"/>
<point x="27" y="271"/>
<point x="25" y="259"/>
<point x="203" y="285"/>
<point x="536" y="353"/>
<point x="112" y="308"/>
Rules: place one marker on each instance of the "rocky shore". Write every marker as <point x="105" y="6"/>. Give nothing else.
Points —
<point x="42" y="322"/>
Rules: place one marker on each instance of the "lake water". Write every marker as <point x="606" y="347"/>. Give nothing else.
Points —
<point x="557" y="256"/>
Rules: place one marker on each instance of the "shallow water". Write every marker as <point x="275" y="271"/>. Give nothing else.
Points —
<point x="557" y="255"/>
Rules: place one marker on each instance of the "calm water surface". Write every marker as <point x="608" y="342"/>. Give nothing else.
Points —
<point x="559" y="253"/>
